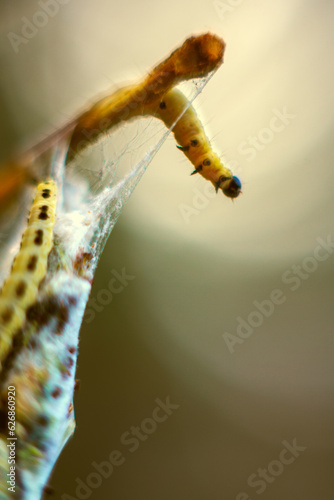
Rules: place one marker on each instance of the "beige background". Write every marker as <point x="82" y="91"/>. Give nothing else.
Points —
<point x="163" y="335"/>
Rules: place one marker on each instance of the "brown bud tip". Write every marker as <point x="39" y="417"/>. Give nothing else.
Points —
<point x="204" y="52"/>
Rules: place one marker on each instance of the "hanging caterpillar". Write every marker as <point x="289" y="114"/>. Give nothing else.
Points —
<point x="191" y="138"/>
<point x="174" y="109"/>
<point x="20" y="289"/>
<point x="154" y="95"/>
<point x="177" y="113"/>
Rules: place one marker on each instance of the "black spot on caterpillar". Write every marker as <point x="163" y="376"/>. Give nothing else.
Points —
<point x="20" y="289"/>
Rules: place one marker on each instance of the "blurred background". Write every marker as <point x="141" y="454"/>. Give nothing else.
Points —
<point x="225" y="309"/>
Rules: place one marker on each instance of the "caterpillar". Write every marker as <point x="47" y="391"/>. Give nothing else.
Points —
<point x="193" y="142"/>
<point x="20" y="289"/>
<point x="154" y="95"/>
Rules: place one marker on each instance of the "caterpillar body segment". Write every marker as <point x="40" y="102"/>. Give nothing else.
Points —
<point x="29" y="268"/>
<point x="195" y="58"/>
<point x="192" y="140"/>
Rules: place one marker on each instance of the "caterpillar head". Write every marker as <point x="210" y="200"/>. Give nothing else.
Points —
<point x="231" y="186"/>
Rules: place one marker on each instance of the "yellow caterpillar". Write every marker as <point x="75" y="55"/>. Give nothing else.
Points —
<point x="19" y="291"/>
<point x="154" y="95"/>
<point x="190" y="135"/>
<point x="174" y="109"/>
